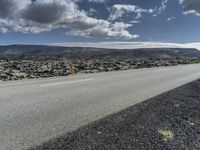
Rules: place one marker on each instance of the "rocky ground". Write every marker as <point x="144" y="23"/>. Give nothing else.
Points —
<point x="27" y="69"/>
<point x="170" y="121"/>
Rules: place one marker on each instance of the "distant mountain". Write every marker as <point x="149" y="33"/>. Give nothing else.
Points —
<point x="54" y="52"/>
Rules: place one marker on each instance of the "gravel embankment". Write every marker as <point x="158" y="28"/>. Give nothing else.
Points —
<point x="170" y="121"/>
<point x="29" y="69"/>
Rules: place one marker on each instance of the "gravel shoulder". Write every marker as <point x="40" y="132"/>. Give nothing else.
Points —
<point x="170" y="121"/>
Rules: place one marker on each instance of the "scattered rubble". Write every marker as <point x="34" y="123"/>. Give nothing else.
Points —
<point x="27" y="69"/>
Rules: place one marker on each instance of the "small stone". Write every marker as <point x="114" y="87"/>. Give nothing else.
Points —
<point x="168" y="135"/>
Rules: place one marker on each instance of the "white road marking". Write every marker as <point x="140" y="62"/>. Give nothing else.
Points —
<point x="68" y="82"/>
<point x="27" y="81"/>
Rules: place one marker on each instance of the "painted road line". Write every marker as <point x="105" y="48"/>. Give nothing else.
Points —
<point x="69" y="82"/>
<point x="32" y="81"/>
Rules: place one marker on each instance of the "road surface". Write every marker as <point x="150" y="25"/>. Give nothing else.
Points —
<point x="34" y="111"/>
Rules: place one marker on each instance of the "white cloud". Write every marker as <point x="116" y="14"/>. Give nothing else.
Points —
<point x="118" y="11"/>
<point x="37" y="16"/>
<point x="131" y="45"/>
<point x="106" y="30"/>
<point x="190" y="6"/>
<point x="97" y="1"/>
<point x="171" y="18"/>
<point x="135" y="21"/>
<point x="3" y="30"/>
<point x="92" y="10"/>
<point x="159" y="10"/>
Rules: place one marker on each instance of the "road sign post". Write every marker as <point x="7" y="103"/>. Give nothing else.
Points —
<point x="73" y="69"/>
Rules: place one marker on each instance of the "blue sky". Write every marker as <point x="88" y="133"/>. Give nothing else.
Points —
<point x="79" y="21"/>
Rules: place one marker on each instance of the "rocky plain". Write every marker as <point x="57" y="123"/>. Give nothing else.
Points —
<point x="28" y="69"/>
<point x="27" y="62"/>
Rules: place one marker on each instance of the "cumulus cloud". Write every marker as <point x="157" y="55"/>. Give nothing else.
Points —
<point x="191" y="6"/>
<point x="160" y="9"/>
<point x="106" y="30"/>
<point x="6" y="8"/>
<point x="54" y="11"/>
<point x="34" y="16"/>
<point x="119" y="10"/>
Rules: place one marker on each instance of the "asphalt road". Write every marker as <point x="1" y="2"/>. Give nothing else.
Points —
<point x="34" y="111"/>
<point x="169" y="121"/>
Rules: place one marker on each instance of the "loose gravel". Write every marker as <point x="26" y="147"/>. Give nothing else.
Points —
<point x="170" y="121"/>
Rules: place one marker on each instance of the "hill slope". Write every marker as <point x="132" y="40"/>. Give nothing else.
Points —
<point x="34" y="51"/>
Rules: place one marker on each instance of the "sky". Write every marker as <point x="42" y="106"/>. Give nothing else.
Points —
<point x="99" y="21"/>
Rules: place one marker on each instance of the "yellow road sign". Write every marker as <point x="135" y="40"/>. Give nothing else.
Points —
<point x="73" y="69"/>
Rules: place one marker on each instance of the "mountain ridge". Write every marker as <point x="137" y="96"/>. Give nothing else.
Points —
<point x="30" y="51"/>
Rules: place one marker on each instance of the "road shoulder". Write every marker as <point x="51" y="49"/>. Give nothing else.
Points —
<point x="170" y="121"/>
